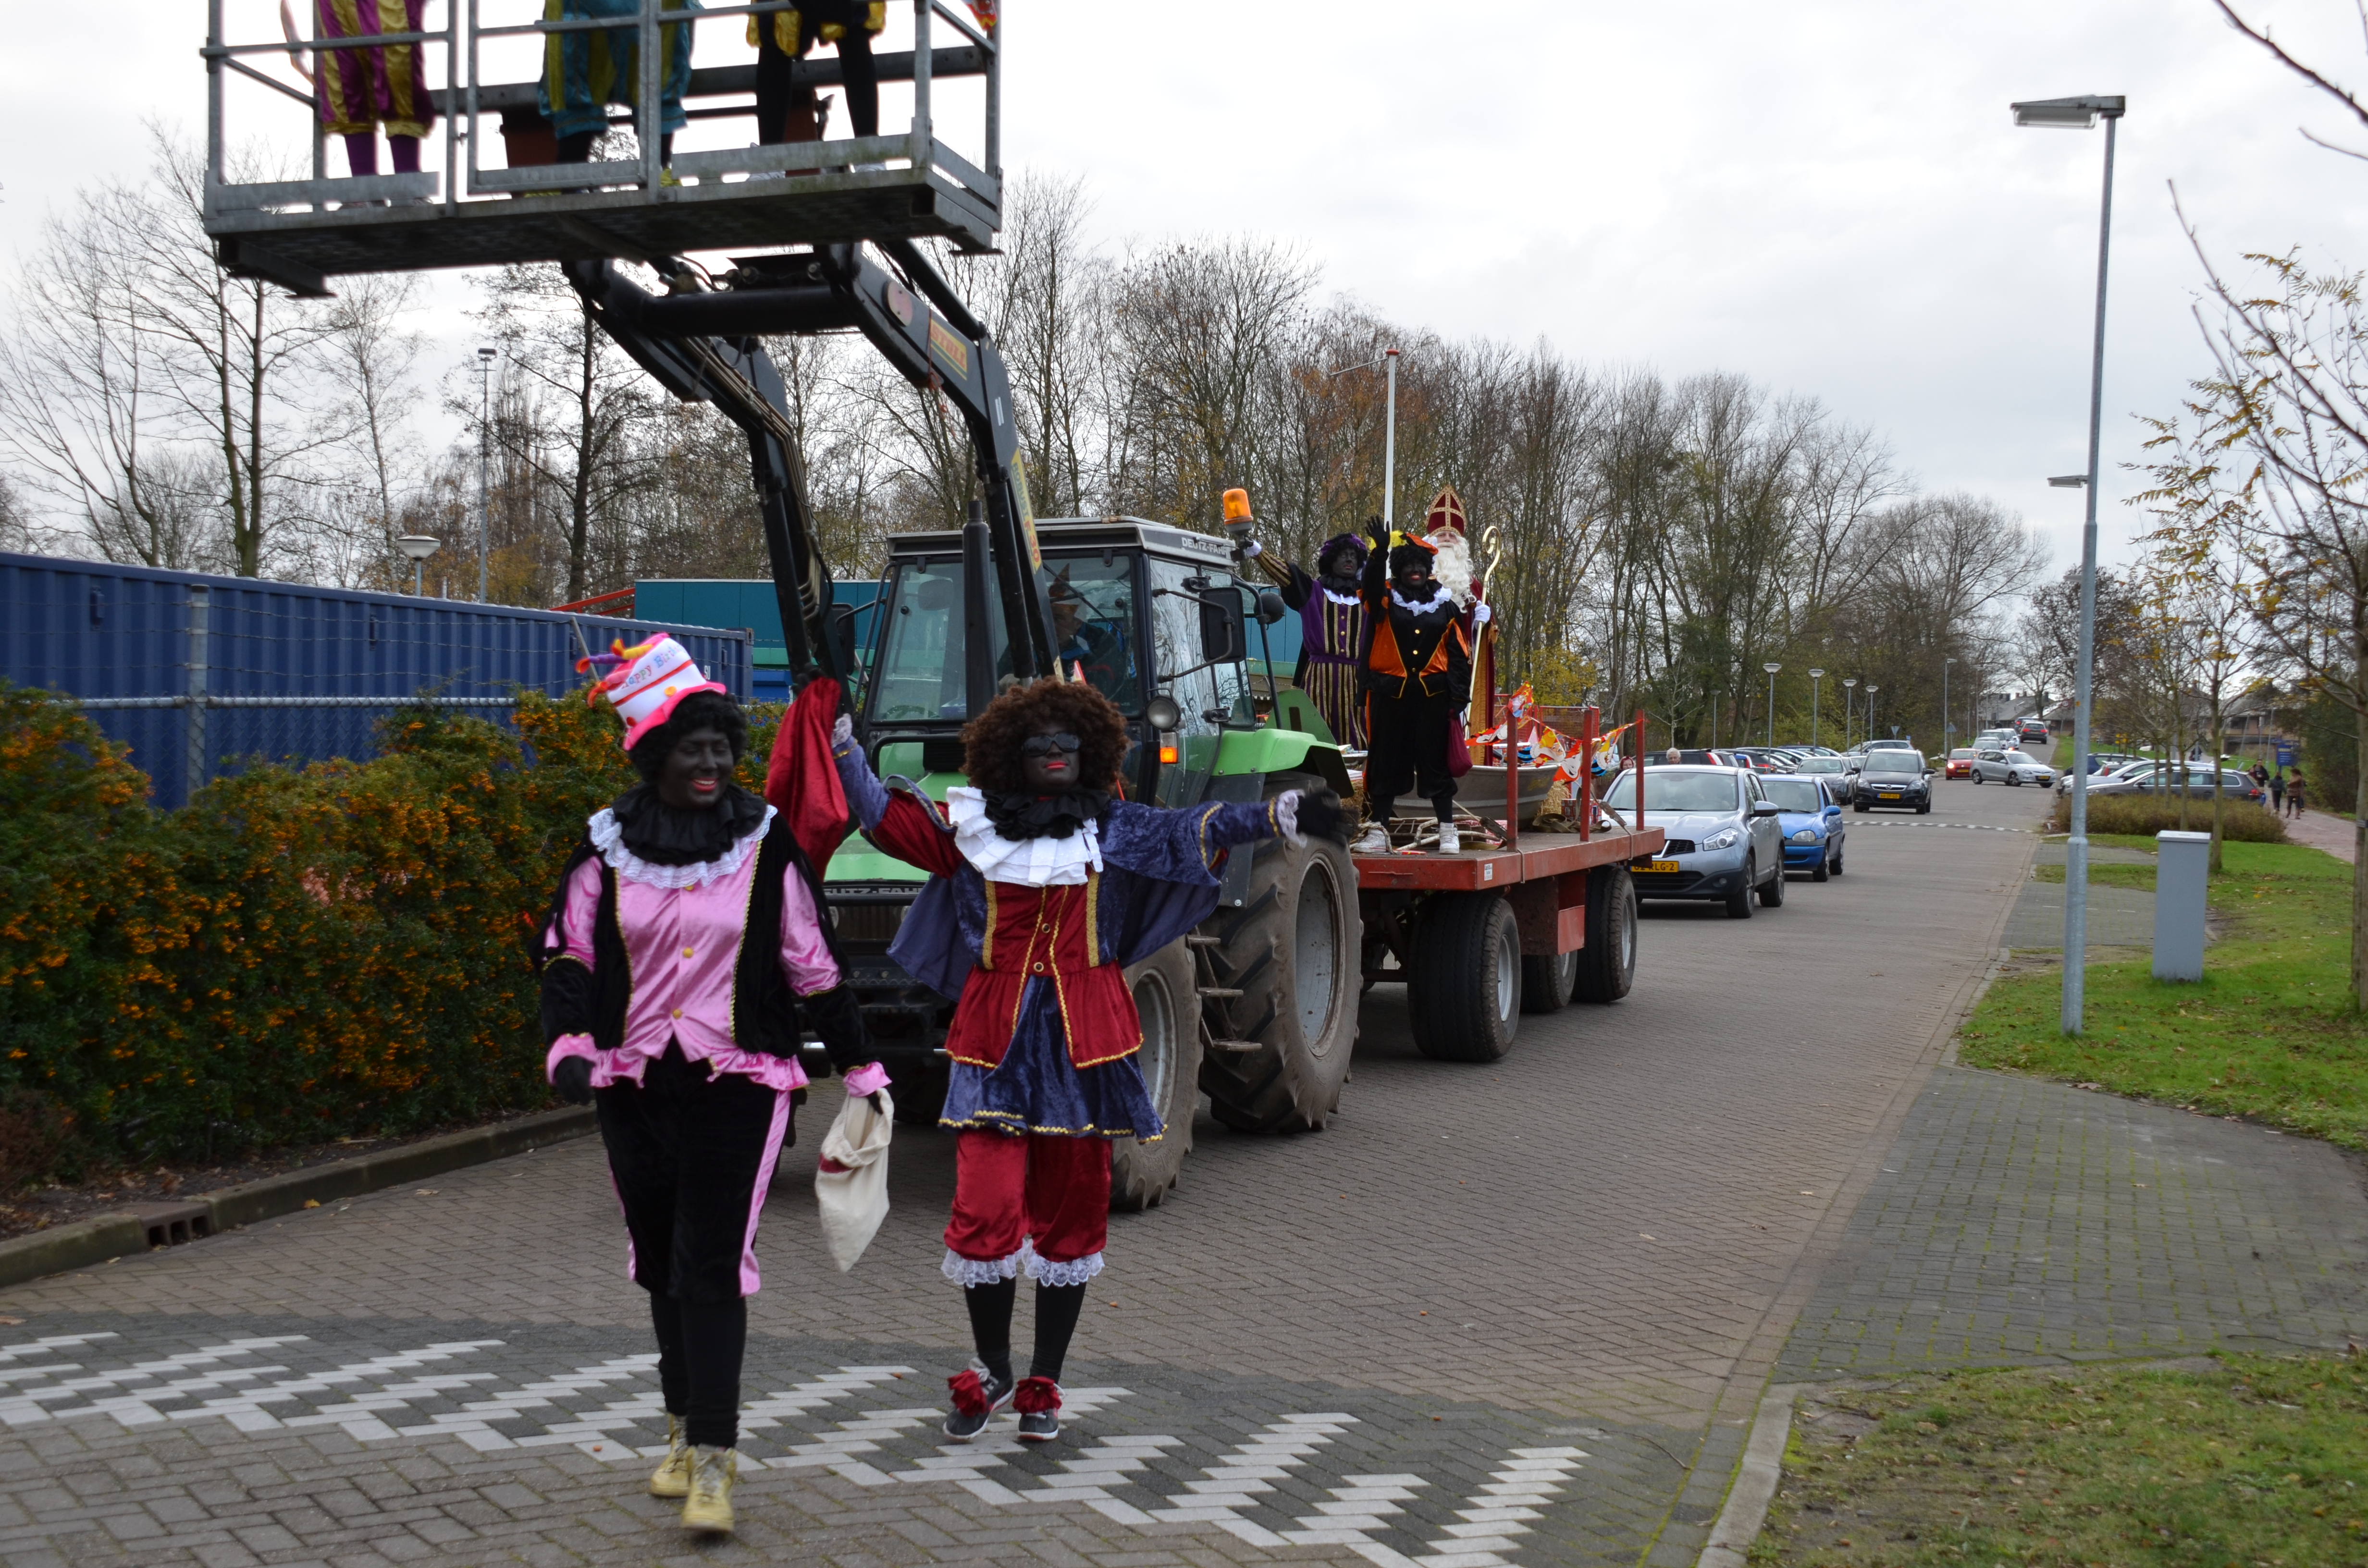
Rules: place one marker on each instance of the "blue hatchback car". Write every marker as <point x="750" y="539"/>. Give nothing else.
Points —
<point x="1811" y="822"/>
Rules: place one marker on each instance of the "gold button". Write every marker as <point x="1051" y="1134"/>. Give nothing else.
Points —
<point x="686" y="953"/>
<point x="1039" y="969"/>
<point x="678" y="1012"/>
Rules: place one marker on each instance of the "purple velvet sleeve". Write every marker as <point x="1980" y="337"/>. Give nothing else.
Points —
<point x="1186" y="846"/>
<point x="866" y="796"/>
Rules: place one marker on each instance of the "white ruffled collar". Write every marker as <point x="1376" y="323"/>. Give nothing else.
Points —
<point x="1035" y="862"/>
<point x="609" y="839"/>
<point x="1437" y="601"/>
<point x="1351" y="600"/>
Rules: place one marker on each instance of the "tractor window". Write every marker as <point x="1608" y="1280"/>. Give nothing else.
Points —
<point x="1094" y="599"/>
<point x="920" y="673"/>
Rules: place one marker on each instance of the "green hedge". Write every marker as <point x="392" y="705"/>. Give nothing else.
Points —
<point x="299" y="954"/>
<point x="2147" y="815"/>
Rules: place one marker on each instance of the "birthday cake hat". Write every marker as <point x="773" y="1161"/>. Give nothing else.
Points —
<point x="645" y="682"/>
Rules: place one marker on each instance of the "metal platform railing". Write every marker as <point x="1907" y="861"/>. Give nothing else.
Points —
<point x="298" y="233"/>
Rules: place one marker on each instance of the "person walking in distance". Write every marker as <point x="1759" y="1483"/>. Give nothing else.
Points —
<point x="2277" y="794"/>
<point x="683" y="960"/>
<point x="2296" y="789"/>
<point x="1045" y="884"/>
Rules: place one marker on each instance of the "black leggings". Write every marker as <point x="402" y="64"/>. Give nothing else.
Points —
<point x="691" y="1156"/>
<point x="776" y="98"/>
<point x="1409" y="737"/>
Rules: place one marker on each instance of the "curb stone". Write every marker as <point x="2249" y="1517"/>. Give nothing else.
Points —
<point x="111" y="1237"/>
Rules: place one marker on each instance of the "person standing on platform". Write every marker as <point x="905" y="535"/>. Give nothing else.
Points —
<point x="790" y="113"/>
<point x="1044" y="885"/>
<point x="1331" y="608"/>
<point x="682" y="949"/>
<point x="1417" y="676"/>
<point x="584" y="72"/>
<point x="358" y="91"/>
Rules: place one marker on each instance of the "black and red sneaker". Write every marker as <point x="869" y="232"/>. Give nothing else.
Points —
<point x="978" y="1394"/>
<point x="1038" y="1400"/>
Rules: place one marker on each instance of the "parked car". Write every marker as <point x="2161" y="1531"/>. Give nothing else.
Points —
<point x="2012" y="767"/>
<point x="1894" y="780"/>
<point x="1810" y="823"/>
<point x="1961" y="764"/>
<point x="1724" y="842"/>
<point x="2196" y="777"/>
<point x="1834" y="769"/>
<point x="2033" y="732"/>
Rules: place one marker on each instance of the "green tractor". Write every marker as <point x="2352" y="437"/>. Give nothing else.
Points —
<point x="1257" y="1008"/>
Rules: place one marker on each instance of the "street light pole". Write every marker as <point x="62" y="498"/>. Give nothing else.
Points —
<point x="1390" y="453"/>
<point x="2081" y="114"/>
<point x="1814" y="677"/>
<point x="484" y="466"/>
<point x="1771" y="670"/>
<point x="1870" y="689"/>
<point x="1850" y="692"/>
<point x="1948" y="723"/>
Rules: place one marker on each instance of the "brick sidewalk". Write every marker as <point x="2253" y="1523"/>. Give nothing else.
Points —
<point x="1598" y="1244"/>
<point x="2324" y="830"/>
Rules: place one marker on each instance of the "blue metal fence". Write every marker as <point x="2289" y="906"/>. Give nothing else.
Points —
<point x="197" y="674"/>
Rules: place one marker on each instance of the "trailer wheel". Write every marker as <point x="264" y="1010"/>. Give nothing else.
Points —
<point x="1465" y="997"/>
<point x="1607" y="965"/>
<point x="1167" y="1001"/>
<point x="1293" y="953"/>
<point x="1546" y="982"/>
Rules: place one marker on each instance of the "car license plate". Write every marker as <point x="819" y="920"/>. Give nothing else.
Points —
<point x="1889" y="795"/>
<point x="1662" y="866"/>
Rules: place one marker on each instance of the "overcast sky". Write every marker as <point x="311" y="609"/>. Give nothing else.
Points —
<point x="1828" y="197"/>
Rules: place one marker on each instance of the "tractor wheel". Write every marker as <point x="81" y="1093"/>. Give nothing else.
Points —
<point x="1168" y="1000"/>
<point x="1465" y="997"/>
<point x="1546" y="982"/>
<point x="1607" y="965"/>
<point x="1291" y="955"/>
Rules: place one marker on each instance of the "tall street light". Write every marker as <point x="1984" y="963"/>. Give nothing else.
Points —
<point x="2082" y="114"/>
<point x="484" y="465"/>
<point x="1870" y="689"/>
<point x="1948" y="724"/>
<point x="1849" y="688"/>
<point x="1814" y="677"/>
<point x="417" y="548"/>
<point x="1771" y="670"/>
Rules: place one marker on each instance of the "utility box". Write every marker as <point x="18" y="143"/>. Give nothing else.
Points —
<point x="2182" y="871"/>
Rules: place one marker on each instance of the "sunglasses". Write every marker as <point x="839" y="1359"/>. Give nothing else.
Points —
<point x="1043" y="746"/>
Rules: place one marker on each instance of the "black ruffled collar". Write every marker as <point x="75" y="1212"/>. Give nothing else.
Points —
<point x="1017" y="814"/>
<point x="671" y="836"/>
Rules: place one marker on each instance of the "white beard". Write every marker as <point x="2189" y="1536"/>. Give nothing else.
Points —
<point x="1451" y="567"/>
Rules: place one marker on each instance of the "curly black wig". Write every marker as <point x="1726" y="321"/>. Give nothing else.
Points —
<point x="991" y="741"/>
<point x="700" y="710"/>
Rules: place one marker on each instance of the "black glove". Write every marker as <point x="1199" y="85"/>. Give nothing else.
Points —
<point x="1322" y="816"/>
<point x="573" y="1079"/>
<point x="1378" y="534"/>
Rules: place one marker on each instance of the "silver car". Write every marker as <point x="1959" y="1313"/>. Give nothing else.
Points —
<point x="1994" y="766"/>
<point x="1724" y="842"/>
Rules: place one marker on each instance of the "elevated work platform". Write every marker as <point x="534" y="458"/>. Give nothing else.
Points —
<point x="909" y="185"/>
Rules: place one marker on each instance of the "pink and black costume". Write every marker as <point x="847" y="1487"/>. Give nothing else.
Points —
<point x="1032" y="930"/>
<point x="681" y="951"/>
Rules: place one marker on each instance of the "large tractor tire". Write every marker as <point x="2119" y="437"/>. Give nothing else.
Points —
<point x="1546" y="982"/>
<point x="1284" y="973"/>
<point x="1464" y="995"/>
<point x="1167" y="1001"/>
<point x="1607" y="965"/>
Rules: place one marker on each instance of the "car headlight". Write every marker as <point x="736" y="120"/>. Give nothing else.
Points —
<point x="1725" y="839"/>
<point x="1807" y="835"/>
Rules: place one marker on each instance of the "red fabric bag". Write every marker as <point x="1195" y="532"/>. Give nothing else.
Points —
<point x="801" y="780"/>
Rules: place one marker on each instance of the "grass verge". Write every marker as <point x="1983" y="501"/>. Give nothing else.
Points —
<point x="2227" y="1463"/>
<point x="2267" y="1035"/>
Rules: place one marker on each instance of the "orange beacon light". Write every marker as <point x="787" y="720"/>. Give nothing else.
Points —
<point x="1237" y="505"/>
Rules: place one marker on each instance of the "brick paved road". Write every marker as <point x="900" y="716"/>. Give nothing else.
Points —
<point x="1554" y="1285"/>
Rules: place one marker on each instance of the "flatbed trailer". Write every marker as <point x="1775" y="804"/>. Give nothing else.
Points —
<point x="1483" y="936"/>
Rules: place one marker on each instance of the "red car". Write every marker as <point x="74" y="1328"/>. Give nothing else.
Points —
<point x="1961" y="764"/>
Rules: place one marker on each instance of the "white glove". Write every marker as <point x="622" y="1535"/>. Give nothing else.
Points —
<point x="841" y="733"/>
<point x="1480" y="613"/>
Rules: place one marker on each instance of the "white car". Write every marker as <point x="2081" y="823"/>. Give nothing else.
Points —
<point x="1994" y="767"/>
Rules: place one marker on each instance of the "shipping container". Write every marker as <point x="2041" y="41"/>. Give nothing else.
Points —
<point x="199" y="675"/>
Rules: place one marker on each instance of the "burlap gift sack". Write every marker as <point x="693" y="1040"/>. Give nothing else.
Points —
<point x="852" y="1181"/>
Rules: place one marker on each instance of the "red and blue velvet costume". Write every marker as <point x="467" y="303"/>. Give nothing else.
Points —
<point x="1045" y="1032"/>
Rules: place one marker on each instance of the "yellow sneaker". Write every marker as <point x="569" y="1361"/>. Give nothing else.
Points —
<point x="672" y="1477"/>
<point x="709" y="1507"/>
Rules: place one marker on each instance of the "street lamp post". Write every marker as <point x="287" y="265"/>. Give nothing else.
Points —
<point x="484" y="465"/>
<point x="2082" y="114"/>
<point x="1814" y="677"/>
<point x="417" y="547"/>
<point x="1948" y="723"/>
<point x="1771" y="670"/>
<point x="1850" y="690"/>
<point x="1870" y="689"/>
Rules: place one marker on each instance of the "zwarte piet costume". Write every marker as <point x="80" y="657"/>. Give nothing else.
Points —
<point x="1417" y="678"/>
<point x="682" y="948"/>
<point x="1036" y="905"/>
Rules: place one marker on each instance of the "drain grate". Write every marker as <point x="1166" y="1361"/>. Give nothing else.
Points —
<point x="171" y="1224"/>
